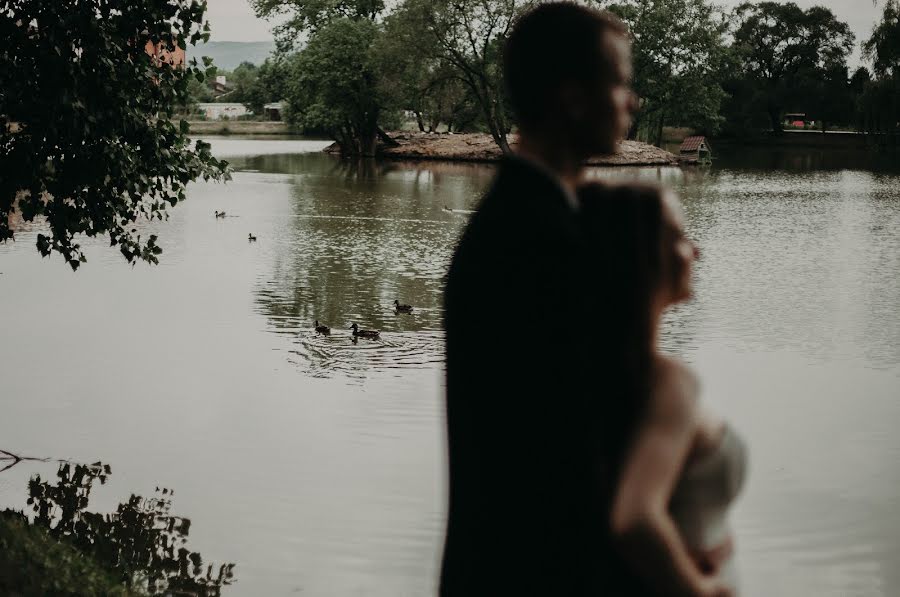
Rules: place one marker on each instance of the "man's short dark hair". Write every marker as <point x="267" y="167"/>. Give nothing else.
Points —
<point x="552" y="44"/>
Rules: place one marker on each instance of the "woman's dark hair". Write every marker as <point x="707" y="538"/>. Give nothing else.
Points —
<point x="551" y="44"/>
<point x="624" y="230"/>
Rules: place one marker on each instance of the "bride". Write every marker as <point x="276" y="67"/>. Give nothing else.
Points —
<point x="671" y="469"/>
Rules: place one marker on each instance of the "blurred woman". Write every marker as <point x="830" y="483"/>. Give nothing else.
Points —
<point x="670" y="468"/>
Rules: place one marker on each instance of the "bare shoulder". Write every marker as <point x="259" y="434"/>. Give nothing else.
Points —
<point x="676" y="390"/>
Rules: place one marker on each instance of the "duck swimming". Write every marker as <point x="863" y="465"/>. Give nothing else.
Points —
<point x="251" y="238"/>
<point x="364" y="333"/>
<point x="402" y="308"/>
<point x="322" y="329"/>
<point x="220" y="214"/>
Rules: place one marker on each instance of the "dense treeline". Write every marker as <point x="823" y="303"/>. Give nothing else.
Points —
<point x="879" y="95"/>
<point x="354" y="67"/>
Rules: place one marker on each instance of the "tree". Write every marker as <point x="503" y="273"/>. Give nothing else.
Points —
<point x="679" y="55"/>
<point x="832" y="101"/>
<point x="87" y="140"/>
<point x="880" y="101"/>
<point x="333" y="82"/>
<point x="458" y="44"/>
<point x="469" y="38"/>
<point x="883" y="47"/>
<point x="420" y="82"/>
<point x="302" y="17"/>
<point x="333" y="85"/>
<point x="197" y="92"/>
<point x="242" y="80"/>
<point x="269" y="85"/>
<point x="783" y="49"/>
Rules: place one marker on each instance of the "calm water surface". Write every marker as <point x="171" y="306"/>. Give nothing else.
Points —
<point x="316" y="464"/>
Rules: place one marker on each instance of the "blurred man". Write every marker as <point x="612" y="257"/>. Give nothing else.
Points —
<point x="525" y="515"/>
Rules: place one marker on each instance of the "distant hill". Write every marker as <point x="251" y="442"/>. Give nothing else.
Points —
<point x="229" y="54"/>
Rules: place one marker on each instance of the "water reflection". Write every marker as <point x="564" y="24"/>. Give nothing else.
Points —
<point x="9" y="460"/>
<point x="805" y="159"/>
<point x="360" y="235"/>
<point x="142" y="542"/>
<point x="793" y="331"/>
<point x="787" y="251"/>
<point x="799" y="158"/>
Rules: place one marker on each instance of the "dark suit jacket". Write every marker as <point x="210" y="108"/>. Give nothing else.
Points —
<point x="524" y="511"/>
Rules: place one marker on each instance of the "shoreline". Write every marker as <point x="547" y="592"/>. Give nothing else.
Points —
<point x="814" y="139"/>
<point x="239" y="127"/>
<point x="480" y="147"/>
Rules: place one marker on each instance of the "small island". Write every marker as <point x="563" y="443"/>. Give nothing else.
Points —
<point x="480" y="147"/>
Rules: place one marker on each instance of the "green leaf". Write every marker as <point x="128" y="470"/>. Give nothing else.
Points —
<point x="87" y="109"/>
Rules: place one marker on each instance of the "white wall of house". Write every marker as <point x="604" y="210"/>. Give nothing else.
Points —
<point x="215" y="111"/>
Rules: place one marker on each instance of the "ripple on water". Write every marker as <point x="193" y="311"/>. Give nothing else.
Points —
<point x="356" y="358"/>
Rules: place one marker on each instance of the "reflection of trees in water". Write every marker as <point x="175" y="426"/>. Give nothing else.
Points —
<point x="141" y="542"/>
<point x="9" y="460"/>
<point x="357" y="239"/>
<point x="803" y="158"/>
<point x="361" y="235"/>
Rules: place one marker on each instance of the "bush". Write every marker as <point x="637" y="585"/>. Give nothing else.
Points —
<point x="34" y="563"/>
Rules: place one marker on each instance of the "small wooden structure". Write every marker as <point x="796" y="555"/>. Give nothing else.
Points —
<point x="695" y="150"/>
<point x="273" y="110"/>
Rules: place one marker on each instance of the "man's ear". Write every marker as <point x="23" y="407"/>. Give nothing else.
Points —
<point x="572" y="101"/>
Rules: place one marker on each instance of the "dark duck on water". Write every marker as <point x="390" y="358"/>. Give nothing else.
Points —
<point x="364" y="333"/>
<point x="402" y="308"/>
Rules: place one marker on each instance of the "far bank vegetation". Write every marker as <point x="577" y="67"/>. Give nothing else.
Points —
<point x="354" y="68"/>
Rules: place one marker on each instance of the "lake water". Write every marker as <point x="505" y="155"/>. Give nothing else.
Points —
<point x="317" y="465"/>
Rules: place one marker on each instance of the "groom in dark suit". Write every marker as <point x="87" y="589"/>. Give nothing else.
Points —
<point x="523" y="512"/>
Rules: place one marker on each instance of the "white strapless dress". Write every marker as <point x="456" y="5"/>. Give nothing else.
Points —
<point x="702" y="497"/>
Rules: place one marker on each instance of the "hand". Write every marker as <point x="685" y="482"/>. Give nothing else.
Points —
<point x="710" y="560"/>
<point x="713" y="586"/>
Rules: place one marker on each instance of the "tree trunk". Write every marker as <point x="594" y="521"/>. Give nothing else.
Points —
<point x="633" y="129"/>
<point x="368" y="142"/>
<point x="659" y="129"/>
<point x="368" y="135"/>
<point x="775" y="117"/>
<point x="385" y="138"/>
<point x="499" y="137"/>
<point x="488" y="104"/>
<point x="498" y="127"/>
<point x="420" y="121"/>
<point x="344" y="140"/>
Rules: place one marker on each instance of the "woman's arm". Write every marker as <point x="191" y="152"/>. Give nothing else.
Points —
<point x="642" y="527"/>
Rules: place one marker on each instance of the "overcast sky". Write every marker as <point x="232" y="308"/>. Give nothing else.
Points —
<point x="233" y="20"/>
